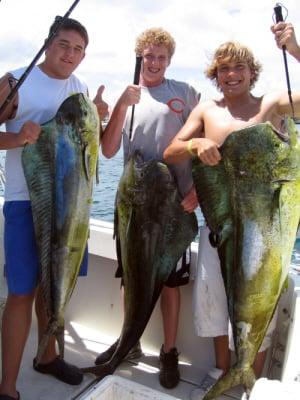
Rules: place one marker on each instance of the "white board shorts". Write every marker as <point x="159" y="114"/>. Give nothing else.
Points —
<point x="209" y="298"/>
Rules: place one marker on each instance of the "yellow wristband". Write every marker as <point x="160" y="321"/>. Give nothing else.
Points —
<point x="189" y="147"/>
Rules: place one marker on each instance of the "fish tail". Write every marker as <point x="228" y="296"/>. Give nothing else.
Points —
<point x="100" y="370"/>
<point x="51" y="330"/>
<point x="236" y="376"/>
<point x="60" y="337"/>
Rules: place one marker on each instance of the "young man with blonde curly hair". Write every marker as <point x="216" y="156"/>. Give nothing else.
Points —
<point x="162" y="107"/>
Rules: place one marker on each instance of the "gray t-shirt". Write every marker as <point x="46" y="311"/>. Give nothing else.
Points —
<point x="160" y="114"/>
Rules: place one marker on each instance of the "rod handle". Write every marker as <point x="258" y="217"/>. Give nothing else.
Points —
<point x="278" y="13"/>
<point x="137" y="70"/>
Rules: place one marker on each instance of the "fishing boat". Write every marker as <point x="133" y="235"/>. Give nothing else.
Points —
<point x="94" y="320"/>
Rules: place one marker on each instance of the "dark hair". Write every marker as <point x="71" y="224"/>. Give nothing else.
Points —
<point x="70" y="24"/>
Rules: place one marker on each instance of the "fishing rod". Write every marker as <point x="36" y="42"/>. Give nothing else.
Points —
<point x="279" y="18"/>
<point x="136" y="81"/>
<point x="58" y="23"/>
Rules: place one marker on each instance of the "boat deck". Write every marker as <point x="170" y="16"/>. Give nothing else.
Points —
<point x="94" y="320"/>
<point x="82" y="345"/>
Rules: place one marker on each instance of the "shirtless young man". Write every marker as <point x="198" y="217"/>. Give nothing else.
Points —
<point x="235" y="71"/>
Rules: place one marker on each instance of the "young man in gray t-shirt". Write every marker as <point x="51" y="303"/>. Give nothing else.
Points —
<point x="161" y="108"/>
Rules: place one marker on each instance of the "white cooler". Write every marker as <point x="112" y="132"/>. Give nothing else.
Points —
<point x="116" y="388"/>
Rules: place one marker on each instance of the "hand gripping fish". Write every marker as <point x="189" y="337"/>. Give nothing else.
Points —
<point x="251" y="203"/>
<point x="59" y="170"/>
<point x="152" y="232"/>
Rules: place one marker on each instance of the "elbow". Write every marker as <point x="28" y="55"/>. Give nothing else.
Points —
<point x="166" y="155"/>
<point x="108" y="150"/>
<point x="108" y="153"/>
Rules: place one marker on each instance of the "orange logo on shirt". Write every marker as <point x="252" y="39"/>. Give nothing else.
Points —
<point x="176" y="105"/>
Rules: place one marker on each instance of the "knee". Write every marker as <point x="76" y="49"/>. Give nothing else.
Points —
<point x="170" y="291"/>
<point x="170" y="295"/>
<point x="20" y="299"/>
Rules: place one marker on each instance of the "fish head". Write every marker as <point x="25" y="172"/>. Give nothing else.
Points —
<point x="78" y="110"/>
<point x="264" y="153"/>
<point x="79" y="120"/>
<point x="288" y="154"/>
<point x="89" y="135"/>
<point x="141" y="178"/>
<point x="292" y="125"/>
<point x="80" y="113"/>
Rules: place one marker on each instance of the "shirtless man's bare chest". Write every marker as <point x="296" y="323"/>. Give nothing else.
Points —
<point x="221" y="118"/>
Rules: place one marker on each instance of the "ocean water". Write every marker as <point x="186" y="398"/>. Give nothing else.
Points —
<point x="110" y="171"/>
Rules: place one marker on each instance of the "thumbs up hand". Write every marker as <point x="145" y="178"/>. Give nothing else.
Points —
<point x="102" y="106"/>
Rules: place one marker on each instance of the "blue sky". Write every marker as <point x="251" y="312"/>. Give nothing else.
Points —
<point x="198" y="28"/>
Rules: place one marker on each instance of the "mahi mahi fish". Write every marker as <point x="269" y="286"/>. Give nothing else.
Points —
<point x="251" y="203"/>
<point x="152" y="232"/>
<point x="59" y="170"/>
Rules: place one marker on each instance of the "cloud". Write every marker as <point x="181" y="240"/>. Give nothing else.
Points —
<point x="198" y="28"/>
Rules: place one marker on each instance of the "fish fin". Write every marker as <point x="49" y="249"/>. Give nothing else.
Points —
<point x="51" y="329"/>
<point x="116" y="218"/>
<point x="100" y="371"/>
<point x="215" y="204"/>
<point x="285" y="285"/>
<point x="60" y="337"/>
<point x="118" y="251"/>
<point x="116" y="236"/>
<point x="86" y="163"/>
<point x="292" y="132"/>
<point x="97" y="171"/>
<point x="235" y="376"/>
<point x="37" y="160"/>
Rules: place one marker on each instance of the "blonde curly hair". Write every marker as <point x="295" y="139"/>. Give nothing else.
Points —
<point x="155" y="36"/>
<point x="233" y="51"/>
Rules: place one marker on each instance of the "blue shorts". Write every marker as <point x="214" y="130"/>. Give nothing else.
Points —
<point x="21" y="258"/>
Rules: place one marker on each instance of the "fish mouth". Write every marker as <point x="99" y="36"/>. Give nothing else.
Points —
<point x="141" y="166"/>
<point x="138" y="158"/>
<point x="83" y="131"/>
<point x="283" y="131"/>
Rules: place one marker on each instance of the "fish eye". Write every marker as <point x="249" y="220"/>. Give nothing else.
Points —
<point x="70" y="116"/>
